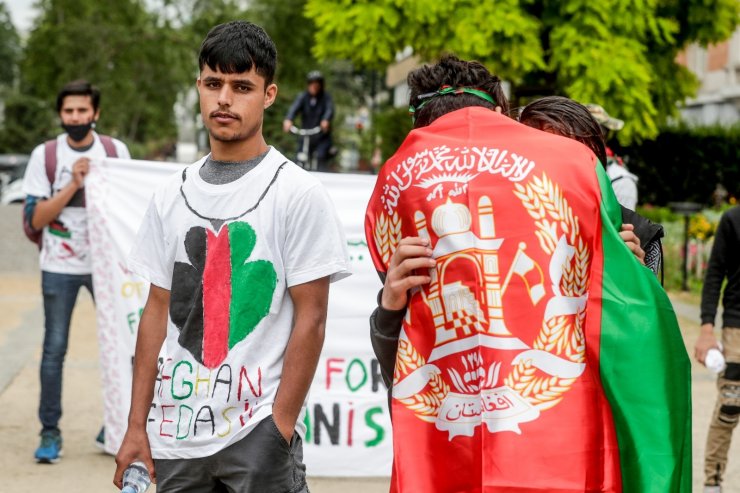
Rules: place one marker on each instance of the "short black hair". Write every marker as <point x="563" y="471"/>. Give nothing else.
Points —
<point x="453" y="72"/>
<point x="79" y="87"/>
<point x="236" y="47"/>
<point x="563" y="116"/>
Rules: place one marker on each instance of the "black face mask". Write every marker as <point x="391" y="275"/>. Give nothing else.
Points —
<point x="78" y="132"/>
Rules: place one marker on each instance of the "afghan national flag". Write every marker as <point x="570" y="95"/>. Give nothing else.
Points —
<point x="542" y="357"/>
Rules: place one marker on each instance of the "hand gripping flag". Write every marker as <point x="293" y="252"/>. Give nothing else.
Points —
<point x="541" y="357"/>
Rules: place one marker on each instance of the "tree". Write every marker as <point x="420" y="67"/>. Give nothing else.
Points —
<point x="619" y="53"/>
<point x="293" y="35"/>
<point x="9" y="48"/>
<point x="139" y="64"/>
<point x="27" y="122"/>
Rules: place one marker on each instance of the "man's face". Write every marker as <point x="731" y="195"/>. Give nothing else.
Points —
<point x="78" y="110"/>
<point x="232" y="105"/>
<point x="314" y="87"/>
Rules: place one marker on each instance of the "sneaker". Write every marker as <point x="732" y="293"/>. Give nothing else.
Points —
<point x="712" y="489"/>
<point x="100" y="439"/>
<point x="50" y="448"/>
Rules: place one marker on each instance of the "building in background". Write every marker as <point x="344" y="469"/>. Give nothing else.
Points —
<point x="396" y="73"/>
<point x="718" y="70"/>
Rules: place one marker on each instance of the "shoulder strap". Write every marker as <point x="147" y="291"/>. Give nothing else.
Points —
<point x="110" y="147"/>
<point x="623" y="177"/>
<point x="50" y="160"/>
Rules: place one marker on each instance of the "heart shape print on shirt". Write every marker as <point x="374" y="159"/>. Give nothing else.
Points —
<point x="218" y="299"/>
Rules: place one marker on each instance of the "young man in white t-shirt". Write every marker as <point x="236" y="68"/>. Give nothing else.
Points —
<point x="56" y="207"/>
<point x="239" y="250"/>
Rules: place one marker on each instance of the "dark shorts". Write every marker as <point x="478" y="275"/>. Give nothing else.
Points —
<point x="261" y="462"/>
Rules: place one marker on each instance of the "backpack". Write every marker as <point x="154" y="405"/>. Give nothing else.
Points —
<point x="50" y="159"/>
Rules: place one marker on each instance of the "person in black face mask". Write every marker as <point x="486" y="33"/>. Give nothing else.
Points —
<point x="54" y="216"/>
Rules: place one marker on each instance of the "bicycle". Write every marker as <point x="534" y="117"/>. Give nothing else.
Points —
<point x="302" y="157"/>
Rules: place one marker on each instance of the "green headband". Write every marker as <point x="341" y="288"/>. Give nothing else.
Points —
<point x="443" y="91"/>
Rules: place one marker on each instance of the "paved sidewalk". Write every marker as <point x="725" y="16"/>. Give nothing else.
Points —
<point x="85" y="469"/>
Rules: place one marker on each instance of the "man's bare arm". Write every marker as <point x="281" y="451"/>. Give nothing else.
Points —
<point x="302" y="353"/>
<point x="49" y="209"/>
<point x="151" y="335"/>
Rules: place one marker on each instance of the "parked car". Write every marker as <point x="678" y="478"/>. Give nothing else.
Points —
<point x="13" y="193"/>
<point x="12" y="169"/>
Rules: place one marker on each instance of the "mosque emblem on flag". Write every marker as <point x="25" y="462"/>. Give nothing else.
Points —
<point x="479" y="372"/>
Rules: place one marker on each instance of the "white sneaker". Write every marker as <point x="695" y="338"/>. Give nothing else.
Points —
<point x="712" y="489"/>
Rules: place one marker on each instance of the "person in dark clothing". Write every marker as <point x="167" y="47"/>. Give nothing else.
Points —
<point x="316" y="108"/>
<point x="554" y="114"/>
<point x="724" y="263"/>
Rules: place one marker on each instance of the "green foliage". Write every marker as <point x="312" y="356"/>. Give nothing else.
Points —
<point x="9" y="47"/>
<point x="392" y="125"/>
<point x="366" y="32"/>
<point x="28" y="122"/>
<point x="370" y="33"/>
<point x="139" y="65"/>
<point x="595" y="59"/>
<point x="686" y="163"/>
<point x="657" y="214"/>
<point x="197" y="17"/>
<point x="293" y="36"/>
<point x="618" y="53"/>
<point x="708" y="21"/>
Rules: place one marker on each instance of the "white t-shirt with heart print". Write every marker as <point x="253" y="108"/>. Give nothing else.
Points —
<point x="228" y="254"/>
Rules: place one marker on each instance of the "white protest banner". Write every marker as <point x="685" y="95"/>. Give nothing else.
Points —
<point x="348" y="420"/>
<point x="349" y="431"/>
<point x="117" y="193"/>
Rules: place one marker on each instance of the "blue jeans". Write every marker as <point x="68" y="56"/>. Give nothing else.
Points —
<point x="60" y="295"/>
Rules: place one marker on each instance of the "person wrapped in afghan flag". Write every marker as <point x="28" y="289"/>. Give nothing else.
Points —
<point x="536" y="353"/>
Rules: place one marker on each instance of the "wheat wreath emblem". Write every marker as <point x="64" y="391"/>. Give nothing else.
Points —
<point x="387" y="235"/>
<point x="561" y="335"/>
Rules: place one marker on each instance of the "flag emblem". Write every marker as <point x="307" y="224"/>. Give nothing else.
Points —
<point x="478" y="372"/>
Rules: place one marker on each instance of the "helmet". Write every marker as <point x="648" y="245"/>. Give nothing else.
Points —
<point x="314" y="76"/>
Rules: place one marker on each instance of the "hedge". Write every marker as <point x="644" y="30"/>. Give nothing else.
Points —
<point x="686" y="164"/>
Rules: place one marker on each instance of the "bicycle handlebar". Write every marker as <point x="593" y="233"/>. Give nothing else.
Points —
<point x="304" y="131"/>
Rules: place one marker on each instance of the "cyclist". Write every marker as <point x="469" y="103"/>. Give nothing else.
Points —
<point x="316" y="108"/>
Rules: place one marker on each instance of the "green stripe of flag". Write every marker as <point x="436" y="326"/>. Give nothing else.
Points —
<point x="645" y="369"/>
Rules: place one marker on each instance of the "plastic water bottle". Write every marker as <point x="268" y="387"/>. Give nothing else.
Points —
<point x="715" y="360"/>
<point x="136" y="478"/>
